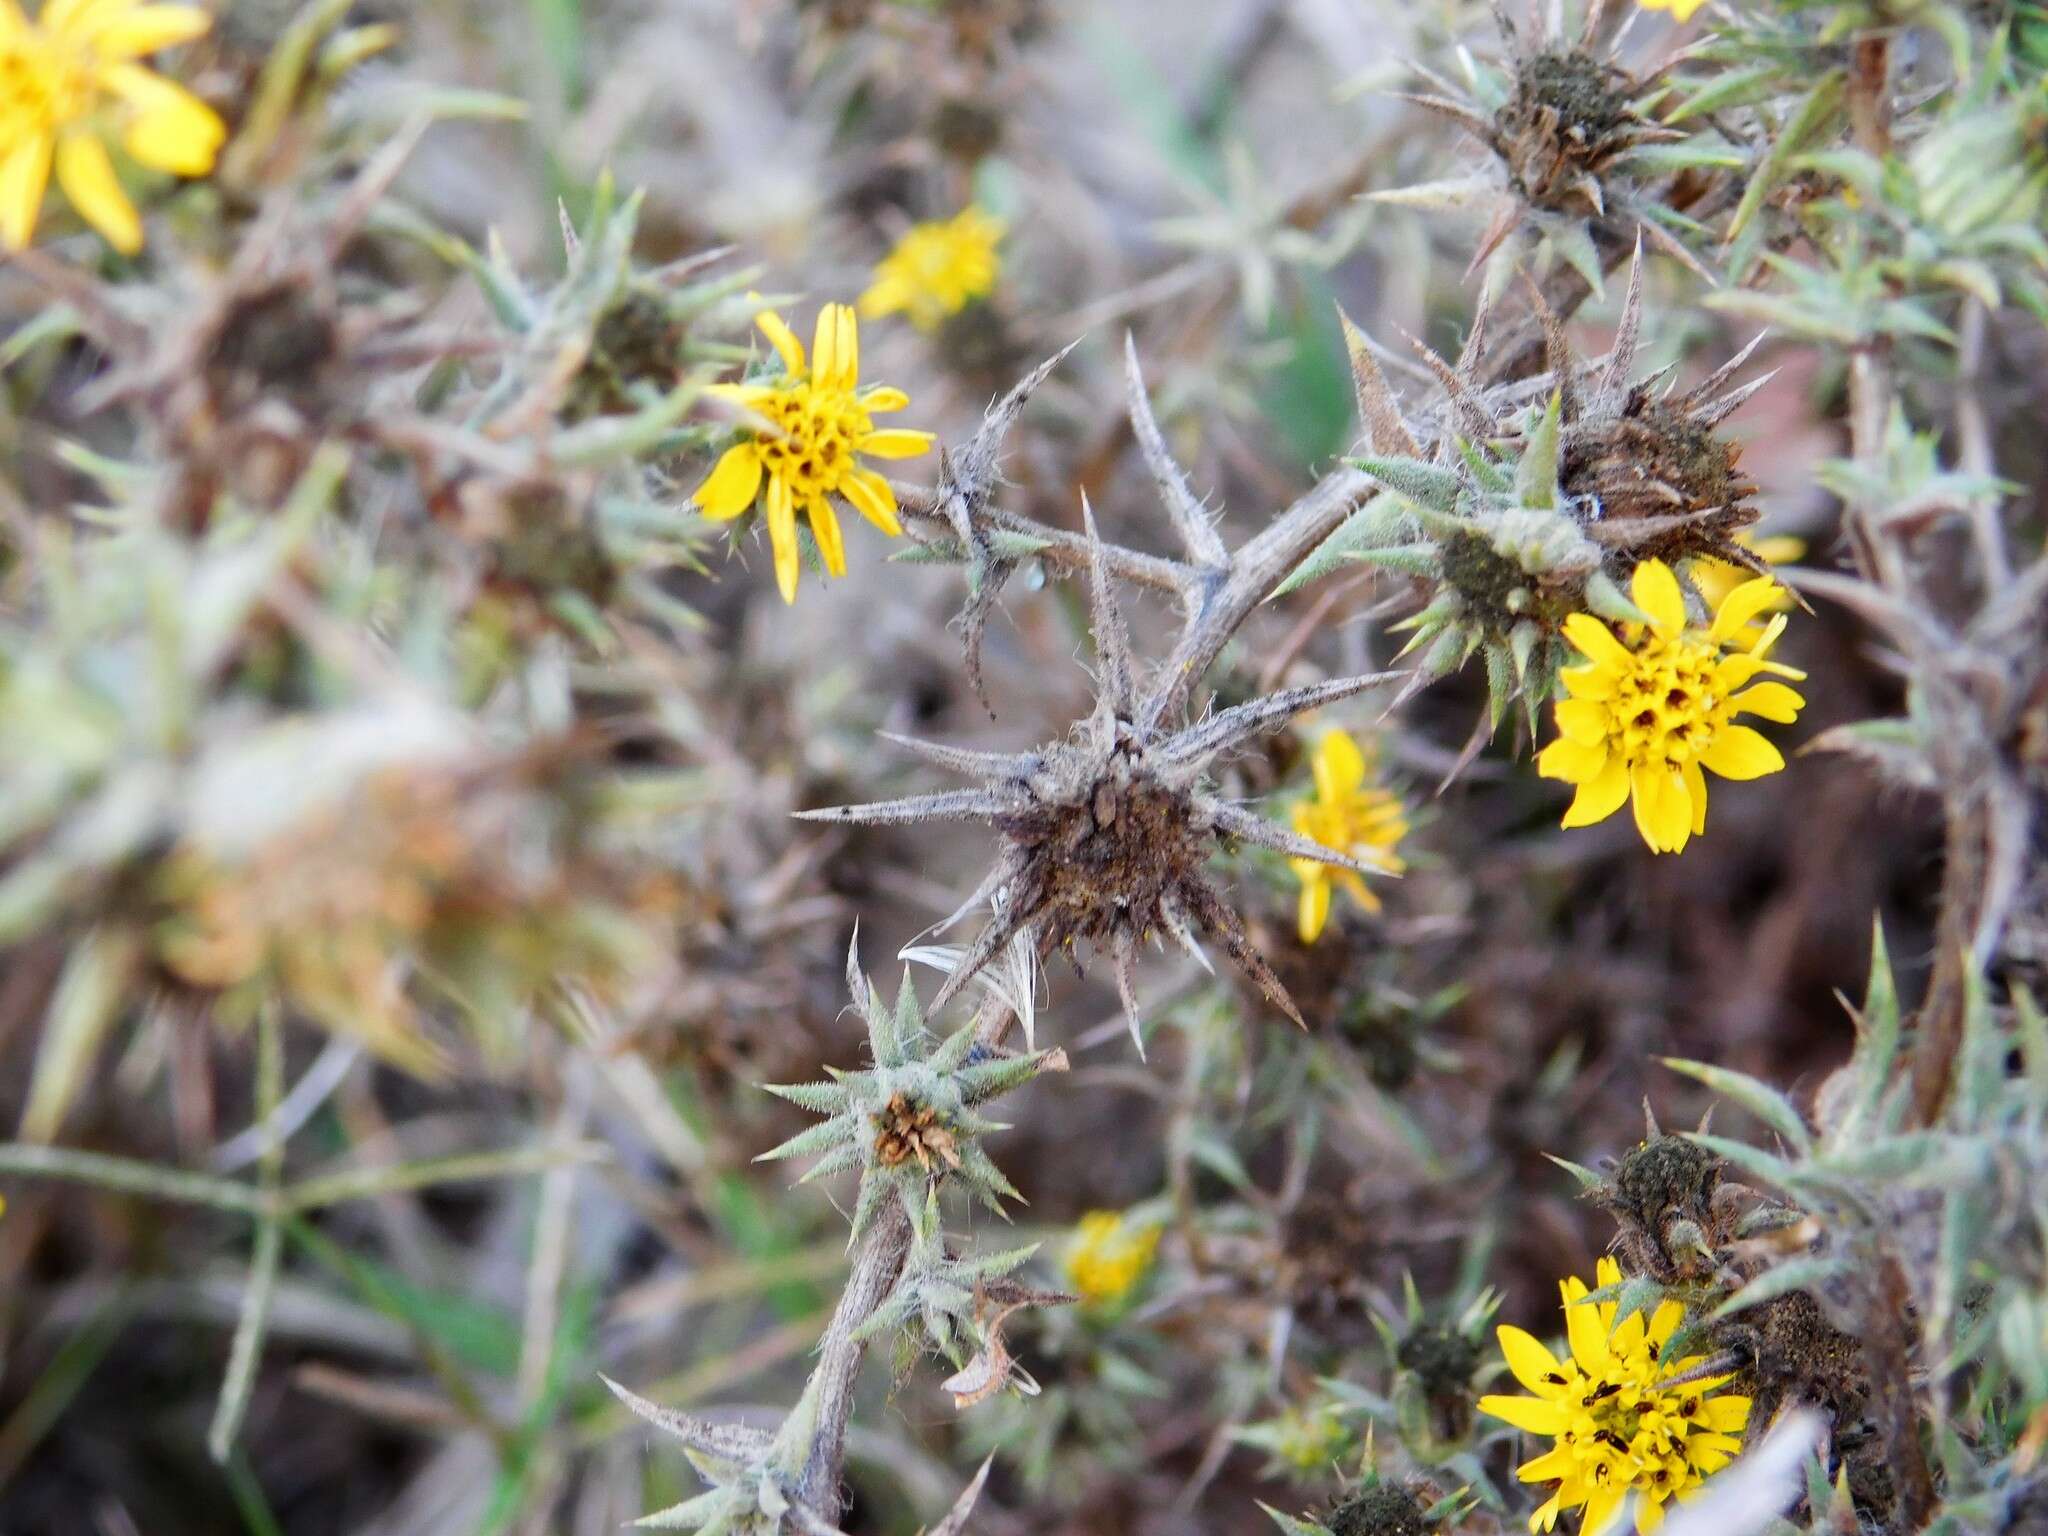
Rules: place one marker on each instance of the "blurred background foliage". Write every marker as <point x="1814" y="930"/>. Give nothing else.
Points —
<point x="400" y="904"/>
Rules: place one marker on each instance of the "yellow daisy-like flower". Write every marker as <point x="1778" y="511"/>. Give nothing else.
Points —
<point x="1352" y="815"/>
<point x="1653" y="707"/>
<point x="1622" y="1423"/>
<point x="1717" y="578"/>
<point x="937" y="269"/>
<point x="818" y="419"/>
<point x="1681" y="10"/>
<point x="1108" y="1256"/>
<point x="69" y="81"/>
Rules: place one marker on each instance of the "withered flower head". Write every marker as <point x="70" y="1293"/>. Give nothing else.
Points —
<point x="1377" y="1507"/>
<point x="1563" y="122"/>
<point x="1674" y="1212"/>
<point x="1106" y="835"/>
<point x="1520" y="505"/>
<point x="1569" y="119"/>
<point x="913" y="1130"/>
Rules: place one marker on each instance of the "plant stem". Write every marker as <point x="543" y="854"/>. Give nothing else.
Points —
<point x="876" y="1264"/>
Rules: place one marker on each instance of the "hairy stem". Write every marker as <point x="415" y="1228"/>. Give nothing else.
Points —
<point x="875" y="1268"/>
<point x="1885" y="1348"/>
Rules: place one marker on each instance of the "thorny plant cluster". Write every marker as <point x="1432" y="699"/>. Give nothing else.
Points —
<point x="450" y="745"/>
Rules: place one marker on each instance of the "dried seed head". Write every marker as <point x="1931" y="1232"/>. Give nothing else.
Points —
<point x="636" y="346"/>
<point x="1381" y="1509"/>
<point x="1442" y="1359"/>
<point x="1521" y="511"/>
<point x="1435" y="1386"/>
<point x="1665" y="485"/>
<point x="1570" y="116"/>
<point x="1663" y="1194"/>
<point x="1106" y="835"/>
<point x="906" y="1129"/>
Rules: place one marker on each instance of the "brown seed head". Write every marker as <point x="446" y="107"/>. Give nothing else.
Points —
<point x="911" y="1130"/>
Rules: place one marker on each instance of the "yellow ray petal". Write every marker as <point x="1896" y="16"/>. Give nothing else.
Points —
<point x="1584" y="1329"/>
<point x="782" y="338"/>
<point x="1338" y="766"/>
<point x="1530" y="1413"/>
<point x="1737" y="752"/>
<point x="172" y="130"/>
<point x="1553" y="1464"/>
<point x="886" y="295"/>
<point x="146" y="28"/>
<point x="1729" y="1414"/>
<point x="1572" y="761"/>
<point x="1601" y="1509"/>
<point x="782" y="535"/>
<point x="24" y="174"/>
<point x="1665" y="1322"/>
<point x="730" y="487"/>
<point x="883" y="397"/>
<point x="87" y="176"/>
<point x="1649" y="788"/>
<point x="825" y="528"/>
<point x="825" y="347"/>
<point x="1656" y="592"/>
<point x="1313" y="910"/>
<point x="894" y="443"/>
<point x="849" y="346"/>
<point x="1530" y="1359"/>
<point x="873" y="499"/>
<point x="1673" y="810"/>
<point x="1773" y="701"/>
<point x="1587" y="682"/>
<point x="1742" y="605"/>
<point x="1696" y="792"/>
<point x="1358" y="890"/>
<point x="1583" y="720"/>
<point x="1596" y="642"/>
<point x="1600" y="796"/>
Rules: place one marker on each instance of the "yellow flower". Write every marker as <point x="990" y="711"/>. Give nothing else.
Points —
<point x="1717" y="578"/>
<point x="937" y="269"/>
<point x="1308" y="1439"/>
<point x="68" y="80"/>
<point x="1622" y="1423"/>
<point x="1108" y="1256"/>
<point x="1350" y="815"/>
<point x="1652" y="708"/>
<point x="1680" y="10"/>
<point x="818" y="418"/>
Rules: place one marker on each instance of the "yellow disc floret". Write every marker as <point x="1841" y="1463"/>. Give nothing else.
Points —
<point x="817" y="421"/>
<point x="937" y="269"/>
<point x="1655" y="704"/>
<point x="69" y="80"/>
<point x="1621" y="1422"/>
<point x="1352" y="814"/>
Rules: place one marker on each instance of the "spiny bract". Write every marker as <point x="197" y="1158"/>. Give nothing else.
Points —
<point x="1527" y="504"/>
<point x="908" y="1120"/>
